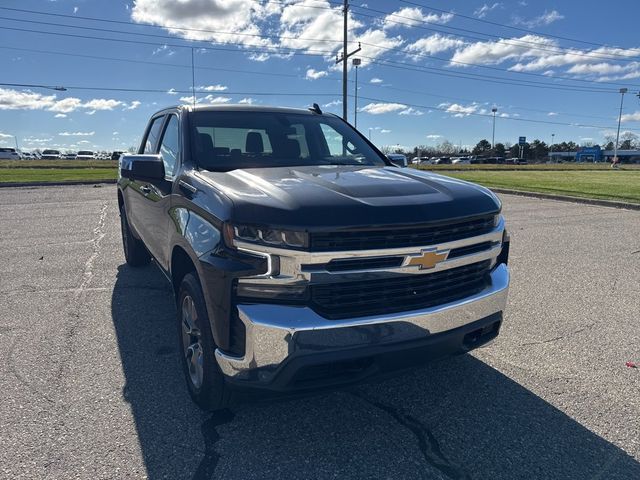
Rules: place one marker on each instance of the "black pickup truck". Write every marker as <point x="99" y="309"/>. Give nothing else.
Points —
<point x="300" y="256"/>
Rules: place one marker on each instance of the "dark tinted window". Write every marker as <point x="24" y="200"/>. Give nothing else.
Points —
<point x="169" y="147"/>
<point x="152" y="136"/>
<point x="248" y="139"/>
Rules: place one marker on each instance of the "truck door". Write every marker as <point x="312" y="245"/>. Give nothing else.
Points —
<point x="137" y="191"/>
<point x="156" y="204"/>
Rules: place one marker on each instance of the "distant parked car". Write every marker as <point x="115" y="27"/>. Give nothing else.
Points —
<point x="50" y="154"/>
<point x="9" y="154"/>
<point x="461" y="161"/>
<point x="397" y="159"/>
<point x="27" y="156"/>
<point x="442" y="161"/>
<point x="495" y="160"/>
<point x="116" y="155"/>
<point x="70" y="156"/>
<point x="86" y="155"/>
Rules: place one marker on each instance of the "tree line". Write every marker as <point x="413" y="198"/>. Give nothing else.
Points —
<point x="534" y="150"/>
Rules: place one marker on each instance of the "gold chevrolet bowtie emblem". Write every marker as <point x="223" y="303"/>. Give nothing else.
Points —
<point x="427" y="259"/>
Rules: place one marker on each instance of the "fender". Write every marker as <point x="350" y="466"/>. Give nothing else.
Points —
<point x="217" y="267"/>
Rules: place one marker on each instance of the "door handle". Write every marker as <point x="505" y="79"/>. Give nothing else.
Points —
<point x="146" y="190"/>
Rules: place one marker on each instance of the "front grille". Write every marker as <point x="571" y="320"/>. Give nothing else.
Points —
<point x="398" y="294"/>
<point x="398" y="237"/>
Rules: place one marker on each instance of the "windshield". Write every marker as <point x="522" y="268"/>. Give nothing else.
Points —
<point x="85" y="152"/>
<point x="51" y="152"/>
<point x="226" y="141"/>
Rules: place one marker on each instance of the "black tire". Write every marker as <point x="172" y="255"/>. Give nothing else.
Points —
<point x="211" y="391"/>
<point x="135" y="253"/>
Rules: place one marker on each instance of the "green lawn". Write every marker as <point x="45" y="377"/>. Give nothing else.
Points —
<point x="623" y="185"/>
<point x="24" y="175"/>
<point x="82" y="164"/>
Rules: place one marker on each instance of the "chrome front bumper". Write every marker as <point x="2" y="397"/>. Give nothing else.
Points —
<point x="276" y="332"/>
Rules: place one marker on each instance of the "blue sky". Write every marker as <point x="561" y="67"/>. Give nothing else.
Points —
<point x="431" y="69"/>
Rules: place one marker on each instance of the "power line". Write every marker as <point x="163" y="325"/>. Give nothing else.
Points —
<point x="415" y="54"/>
<point x="486" y="115"/>
<point x="488" y="78"/>
<point x="525" y="30"/>
<point x="257" y="72"/>
<point x="513" y="42"/>
<point x="308" y="52"/>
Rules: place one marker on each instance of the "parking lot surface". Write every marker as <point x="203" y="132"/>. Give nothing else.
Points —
<point x="91" y="387"/>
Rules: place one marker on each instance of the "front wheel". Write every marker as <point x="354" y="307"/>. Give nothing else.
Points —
<point x="135" y="253"/>
<point x="205" y="381"/>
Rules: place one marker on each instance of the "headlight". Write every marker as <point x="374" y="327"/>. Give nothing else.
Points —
<point x="496" y="220"/>
<point x="267" y="236"/>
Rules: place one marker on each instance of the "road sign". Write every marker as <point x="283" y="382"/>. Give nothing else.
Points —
<point x="522" y="140"/>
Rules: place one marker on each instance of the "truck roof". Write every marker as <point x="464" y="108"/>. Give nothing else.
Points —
<point x="240" y="108"/>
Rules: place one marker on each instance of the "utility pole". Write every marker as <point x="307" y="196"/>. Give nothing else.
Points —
<point x="193" y="80"/>
<point x="615" y="147"/>
<point x="493" y="135"/>
<point x="345" y="57"/>
<point x="356" y="62"/>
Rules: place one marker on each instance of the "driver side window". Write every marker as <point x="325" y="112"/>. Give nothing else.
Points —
<point x="170" y="146"/>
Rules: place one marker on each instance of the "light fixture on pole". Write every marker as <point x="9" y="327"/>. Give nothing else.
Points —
<point x="493" y="135"/>
<point x="615" y="147"/>
<point x="356" y="63"/>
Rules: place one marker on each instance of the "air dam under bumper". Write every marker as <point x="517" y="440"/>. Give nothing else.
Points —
<point x="278" y="336"/>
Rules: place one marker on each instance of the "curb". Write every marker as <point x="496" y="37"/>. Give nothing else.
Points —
<point x="566" y="198"/>
<point x="54" y="184"/>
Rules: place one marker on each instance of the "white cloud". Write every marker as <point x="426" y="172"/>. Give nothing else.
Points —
<point x="376" y="80"/>
<point x="102" y="104"/>
<point x="163" y="49"/>
<point x="434" y="136"/>
<point x="545" y="19"/>
<point x="248" y="101"/>
<point x="434" y="44"/>
<point x="133" y="105"/>
<point x="36" y="140"/>
<point x="75" y="10"/>
<point x="333" y="103"/>
<point x="212" y="88"/>
<point x="384" y="130"/>
<point x="172" y="91"/>
<point x="460" y="110"/>
<point x="77" y="134"/>
<point x="115" y="133"/>
<point x="24" y="100"/>
<point x="411" y="111"/>
<point x="482" y="11"/>
<point x="91" y="112"/>
<point x="380" y="108"/>
<point x="631" y="117"/>
<point x="5" y="135"/>
<point x="498" y="51"/>
<point x="60" y="115"/>
<point x="84" y="141"/>
<point x="314" y="74"/>
<point x="410" y="17"/>
<point x="205" y="18"/>
<point x="552" y="114"/>
<point x="214" y="99"/>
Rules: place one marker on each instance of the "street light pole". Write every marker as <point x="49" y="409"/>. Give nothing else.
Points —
<point x="356" y="62"/>
<point x="551" y="146"/>
<point x="493" y="135"/>
<point x="615" y="147"/>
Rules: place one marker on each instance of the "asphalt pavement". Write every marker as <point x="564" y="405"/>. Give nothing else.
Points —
<point x="91" y="387"/>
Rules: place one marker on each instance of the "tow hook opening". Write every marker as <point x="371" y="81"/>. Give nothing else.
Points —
<point x="482" y="335"/>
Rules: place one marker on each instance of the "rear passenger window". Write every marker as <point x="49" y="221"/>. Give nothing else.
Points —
<point x="152" y="136"/>
<point x="169" y="147"/>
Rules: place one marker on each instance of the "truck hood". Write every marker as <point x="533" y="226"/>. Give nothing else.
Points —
<point x="347" y="196"/>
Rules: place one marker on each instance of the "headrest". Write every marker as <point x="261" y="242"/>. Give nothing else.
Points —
<point x="205" y="144"/>
<point x="254" y="143"/>
<point x="291" y="148"/>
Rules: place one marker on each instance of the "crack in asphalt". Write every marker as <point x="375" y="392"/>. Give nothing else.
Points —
<point x="209" y="461"/>
<point x="427" y="442"/>
<point x="560" y="337"/>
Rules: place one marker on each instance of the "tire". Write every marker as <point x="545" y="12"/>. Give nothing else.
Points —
<point x="205" y="380"/>
<point x="135" y="253"/>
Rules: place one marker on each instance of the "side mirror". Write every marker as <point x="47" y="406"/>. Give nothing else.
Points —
<point x="142" y="167"/>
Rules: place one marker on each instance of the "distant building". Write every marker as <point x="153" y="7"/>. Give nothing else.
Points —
<point x="596" y="154"/>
